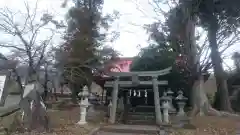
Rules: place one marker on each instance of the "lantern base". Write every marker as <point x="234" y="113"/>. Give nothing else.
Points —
<point x="82" y="123"/>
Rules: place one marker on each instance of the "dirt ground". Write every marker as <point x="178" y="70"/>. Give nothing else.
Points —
<point x="63" y="119"/>
<point x="211" y="125"/>
<point x="64" y="116"/>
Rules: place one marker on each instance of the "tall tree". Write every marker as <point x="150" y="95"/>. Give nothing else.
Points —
<point x="220" y="20"/>
<point x="219" y="16"/>
<point x="182" y="34"/>
<point x="84" y="41"/>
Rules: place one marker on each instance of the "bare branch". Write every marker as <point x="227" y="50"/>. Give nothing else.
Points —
<point x="29" y="50"/>
<point x="12" y="46"/>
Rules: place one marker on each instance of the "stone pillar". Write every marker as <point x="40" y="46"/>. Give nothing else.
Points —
<point x="83" y="113"/>
<point x="156" y="100"/>
<point x="114" y="101"/>
<point x="181" y="105"/>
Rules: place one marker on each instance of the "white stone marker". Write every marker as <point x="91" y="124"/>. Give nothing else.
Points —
<point x="83" y="105"/>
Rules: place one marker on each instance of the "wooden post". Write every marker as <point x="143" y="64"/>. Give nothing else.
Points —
<point x="156" y="101"/>
<point x="114" y="101"/>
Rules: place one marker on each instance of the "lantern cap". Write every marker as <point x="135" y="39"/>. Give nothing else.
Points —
<point x="169" y="91"/>
<point x="85" y="88"/>
<point x="180" y="96"/>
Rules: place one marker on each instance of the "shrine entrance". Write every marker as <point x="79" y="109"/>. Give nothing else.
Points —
<point x="130" y="90"/>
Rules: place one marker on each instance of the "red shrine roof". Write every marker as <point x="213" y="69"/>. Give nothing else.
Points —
<point x="121" y="64"/>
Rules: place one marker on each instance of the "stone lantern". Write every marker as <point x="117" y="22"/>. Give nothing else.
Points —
<point x="83" y="105"/>
<point x="181" y="101"/>
<point x="165" y="105"/>
<point x="170" y="95"/>
<point x="165" y="98"/>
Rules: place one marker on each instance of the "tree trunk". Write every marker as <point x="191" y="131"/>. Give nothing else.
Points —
<point x="201" y="102"/>
<point x="202" y="105"/>
<point x="45" y="85"/>
<point x="193" y="59"/>
<point x="222" y="90"/>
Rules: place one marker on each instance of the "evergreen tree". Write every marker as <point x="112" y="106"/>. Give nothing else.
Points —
<point x="84" y="41"/>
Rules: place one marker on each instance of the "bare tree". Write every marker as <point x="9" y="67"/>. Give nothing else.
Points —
<point x="27" y="28"/>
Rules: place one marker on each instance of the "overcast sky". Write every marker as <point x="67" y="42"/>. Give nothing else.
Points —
<point x="132" y="35"/>
<point x="133" y="17"/>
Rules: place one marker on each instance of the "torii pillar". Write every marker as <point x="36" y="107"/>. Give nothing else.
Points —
<point x="114" y="101"/>
<point x="156" y="101"/>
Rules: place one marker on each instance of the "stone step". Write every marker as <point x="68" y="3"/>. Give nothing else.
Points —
<point x="142" y="113"/>
<point x="144" y="109"/>
<point x="128" y="129"/>
<point x="141" y="117"/>
<point x="141" y="122"/>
